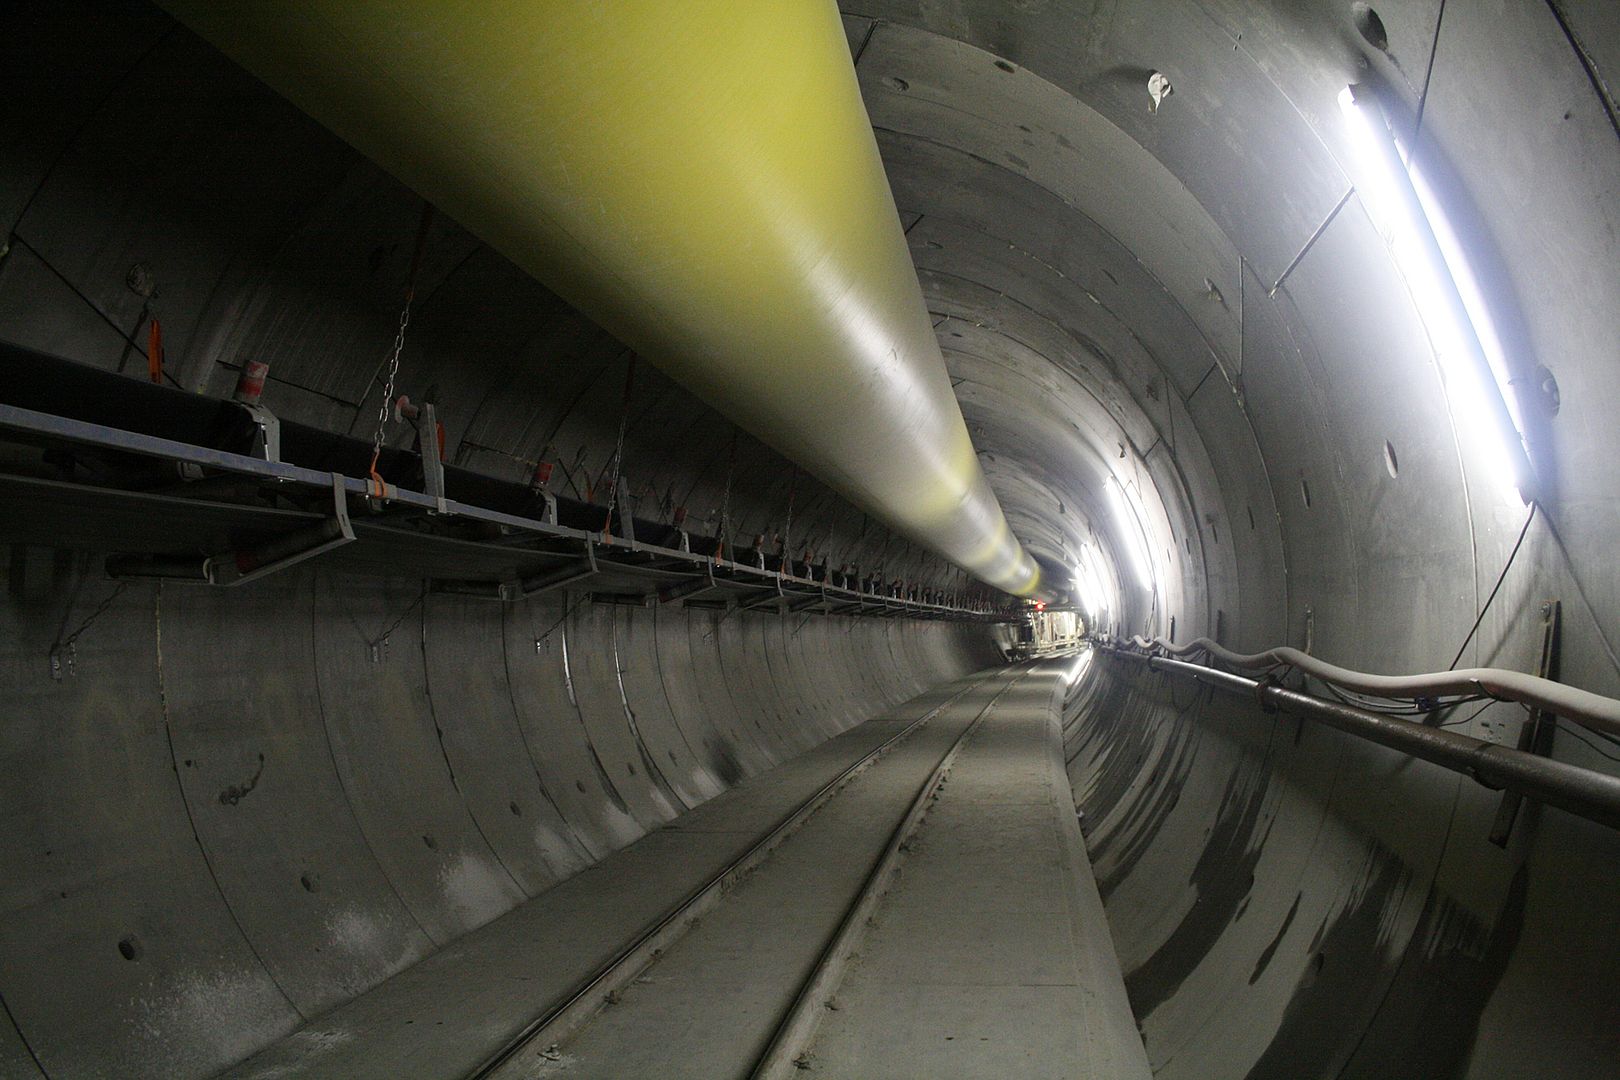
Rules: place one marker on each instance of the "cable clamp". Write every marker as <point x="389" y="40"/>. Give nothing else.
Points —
<point x="1268" y="681"/>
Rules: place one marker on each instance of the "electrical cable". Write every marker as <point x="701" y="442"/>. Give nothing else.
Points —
<point x="1582" y="706"/>
<point x="1589" y="745"/>
<point x="68" y="641"/>
<point x="1580" y="591"/>
<point x="386" y="634"/>
<point x="1514" y="554"/>
<point x="560" y="619"/>
<point x="1470" y="716"/>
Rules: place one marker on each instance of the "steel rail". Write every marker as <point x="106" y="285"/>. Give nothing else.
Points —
<point x="1586" y="793"/>
<point x="587" y="997"/>
<point x="781" y="1057"/>
<point x="1582" y="706"/>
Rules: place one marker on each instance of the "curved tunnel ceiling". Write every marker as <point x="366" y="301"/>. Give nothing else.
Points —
<point x="1193" y="300"/>
<point x="1080" y="290"/>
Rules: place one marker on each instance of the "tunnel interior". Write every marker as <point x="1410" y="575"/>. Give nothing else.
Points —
<point x="1206" y="392"/>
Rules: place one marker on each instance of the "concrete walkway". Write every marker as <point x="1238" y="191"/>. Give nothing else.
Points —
<point x="989" y="955"/>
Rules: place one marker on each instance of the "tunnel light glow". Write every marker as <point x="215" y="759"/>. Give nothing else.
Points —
<point x="1473" y="299"/>
<point x="1078" y="668"/>
<point x="1430" y="259"/>
<point x="1093" y="593"/>
<point x="1088" y="595"/>
<point x="1129" y="514"/>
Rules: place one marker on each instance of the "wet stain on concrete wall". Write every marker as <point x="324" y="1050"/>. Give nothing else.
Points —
<point x="1221" y="879"/>
<point x="1380" y="989"/>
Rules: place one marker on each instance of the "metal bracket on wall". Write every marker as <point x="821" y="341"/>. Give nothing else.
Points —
<point x="426" y="420"/>
<point x="502" y="544"/>
<point x="267" y="443"/>
<point x="242" y="565"/>
<point x="1536" y="733"/>
<point x="815" y="600"/>
<point x="578" y="570"/>
<point x="775" y="596"/>
<point x="698" y="584"/>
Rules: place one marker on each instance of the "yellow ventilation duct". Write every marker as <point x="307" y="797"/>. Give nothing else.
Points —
<point x="698" y="176"/>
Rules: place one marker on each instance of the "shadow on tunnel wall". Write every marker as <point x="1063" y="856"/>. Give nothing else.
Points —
<point x="1265" y="928"/>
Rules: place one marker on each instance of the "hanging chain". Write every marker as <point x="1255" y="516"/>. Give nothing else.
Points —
<point x="787" y="530"/>
<point x="618" y="447"/>
<point x="723" y="548"/>
<point x="388" y="385"/>
<point x="380" y="487"/>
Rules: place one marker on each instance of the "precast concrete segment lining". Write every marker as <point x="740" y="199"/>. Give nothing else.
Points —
<point x="733" y="752"/>
<point x="291" y="859"/>
<point x="549" y="723"/>
<point x="748" y="681"/>
<point x="1104" y="55"/>
<point x="948" y="96"/>
<point x="635" y="653"/>
<point x="780" y="710"/>
<point x="15" y="1058"/>
<point x="781" y="292"/>
<point x="792" y="669"/>
<point x="463" y="642"/>
<point x="92" y="881"/>
<point x="383" y="738"/>
<point x="279" y="788"/>
<point x="626" y="753"/>
<point x="1305" y="890"/>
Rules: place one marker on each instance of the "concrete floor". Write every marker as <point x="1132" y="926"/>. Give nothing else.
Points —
<point x="989" y="955"/>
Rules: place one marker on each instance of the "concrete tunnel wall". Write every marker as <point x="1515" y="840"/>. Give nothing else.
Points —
<point x="235" y="815"/>
<point x="1193" y="299"/>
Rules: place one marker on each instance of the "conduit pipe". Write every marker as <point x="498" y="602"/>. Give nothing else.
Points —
<point x="1582" y="706"/>
<point x="701" y="178"/>
<point x="1584" y="792"/>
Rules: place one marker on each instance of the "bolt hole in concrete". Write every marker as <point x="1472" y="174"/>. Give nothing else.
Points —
<point x="1004" y="66"/>
<point x="307" y="882"/>
<point x="517" y="811"/>
<point x="894" y="83"/>
<point x="1305" y="491"/>
<point x="1370" y="26"/>
<point x="1391" y="462"/>
<point x="432" y="844"/>
<point x="1549" y="385"/>
<point x="130" y="948"/>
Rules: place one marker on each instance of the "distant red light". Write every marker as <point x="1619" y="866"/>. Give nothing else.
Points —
<point x="1040" y="605"/>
